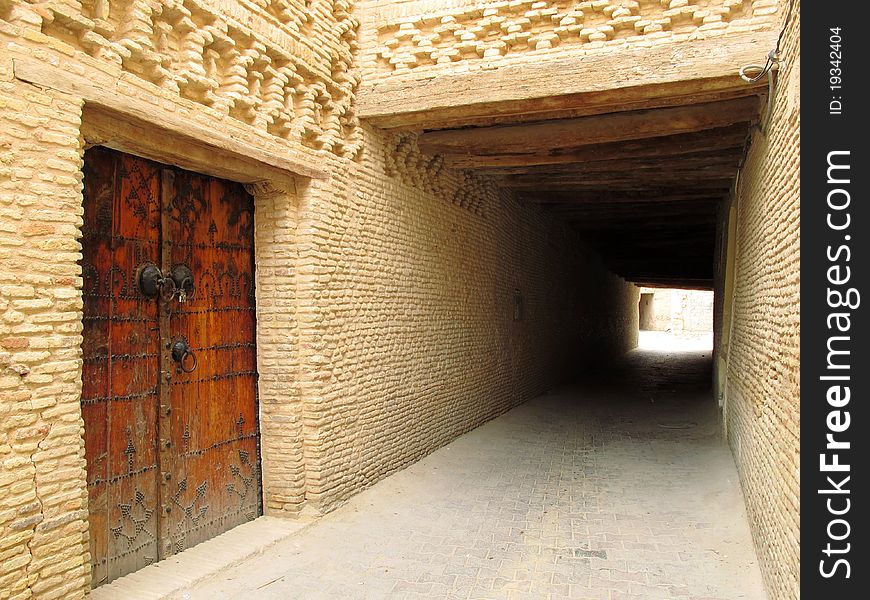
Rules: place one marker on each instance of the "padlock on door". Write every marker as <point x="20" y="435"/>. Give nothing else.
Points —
<point x="182" y="278"/>
<point x="153" y="283"/>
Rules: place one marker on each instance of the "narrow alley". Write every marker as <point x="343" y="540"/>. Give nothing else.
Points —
<point x="624" y="489"/>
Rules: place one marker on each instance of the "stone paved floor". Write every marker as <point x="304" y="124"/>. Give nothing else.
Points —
<point x="613" y="490"/>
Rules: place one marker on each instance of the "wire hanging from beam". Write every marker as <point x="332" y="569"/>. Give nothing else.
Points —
<point x="771" y="65"/>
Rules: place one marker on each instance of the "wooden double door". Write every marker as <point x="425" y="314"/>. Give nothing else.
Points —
<point x="169" y="394"/>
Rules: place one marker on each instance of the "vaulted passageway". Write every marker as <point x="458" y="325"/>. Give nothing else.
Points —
<point x="621" y="488"/>
<point x="644" y="186"/>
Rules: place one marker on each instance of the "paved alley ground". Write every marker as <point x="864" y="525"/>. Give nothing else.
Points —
<point x="620" y="489"/>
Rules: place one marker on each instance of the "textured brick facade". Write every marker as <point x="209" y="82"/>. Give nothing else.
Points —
<point x="387" y="286"/>
<point x="43" y="501"/>
<point x="408" y="281"/>
<point x="758" y="343"/>
<point x="420" y="38"/>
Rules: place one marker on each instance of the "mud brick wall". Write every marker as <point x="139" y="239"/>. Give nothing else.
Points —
<point x="409" y="275"/>
<point x="681" y="310"/>
<point x="762" y="358"/>
<point x="43" y="500"/>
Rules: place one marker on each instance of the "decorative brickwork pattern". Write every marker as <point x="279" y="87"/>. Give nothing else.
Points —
<point x="404" y="161"/>
<point x="255" y="61"/>
<point x="762" y="387"/>
<point x="422" y="34"/>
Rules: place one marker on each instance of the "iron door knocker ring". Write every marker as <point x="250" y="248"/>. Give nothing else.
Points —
<point x="153" y="284"/>
<point x="181" y="352"/>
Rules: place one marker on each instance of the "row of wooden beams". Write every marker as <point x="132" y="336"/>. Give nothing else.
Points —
<point x="692" y="207"/>
<point x="661" y="177"/>
<point x="601" y="221"/>
<point x="721" y="183"/>
<point x="670" y="271"/>
<point x="701" y="280"/>
<point x="612" y="213"/>
<point x="567" y="134"/>
<point x="674" y="231"/>
<point x="629" y="226"/>
<point x="654" y="246"/>
<point x="674" y="261"/>
<point x="715" y="188"/>
<point x="651" y="195"/>
<point x="719" y="139"/>
<point x="650" y="251"/>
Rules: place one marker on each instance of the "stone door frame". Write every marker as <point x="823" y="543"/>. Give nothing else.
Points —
<point x="275" y="193"/>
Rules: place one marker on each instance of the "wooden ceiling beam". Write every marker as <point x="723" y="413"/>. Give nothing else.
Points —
<point x="550" y="136"/>
<point x="659" y="259"/>
<point x="628" y="220"/>
<point x="605" y="179"/>
<point x="721" y="183"/>
<point x="724" y="158"/>
<point x="676" y="273"/>
<point x="650" y="246"/>
<point x="616" y="208"/>
<point x="615" y="212"/>
<point x="627" y="226"/>
<point x="630" y="231"/>
<point x="720" y="139"/>
<point x="653" y="239"/>
<point x="680" y="283"/>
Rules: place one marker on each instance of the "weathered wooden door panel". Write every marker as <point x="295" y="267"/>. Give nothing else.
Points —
<point x="217" y="488"/>
<point x="149" y="499"/>
<point x="119" y="396"/>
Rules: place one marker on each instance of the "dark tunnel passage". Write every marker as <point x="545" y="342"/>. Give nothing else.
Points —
<point x="655" y="374"/>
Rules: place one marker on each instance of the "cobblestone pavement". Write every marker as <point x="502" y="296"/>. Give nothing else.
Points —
<point x="609" y="491"/>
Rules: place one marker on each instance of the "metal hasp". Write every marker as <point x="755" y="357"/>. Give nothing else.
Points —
<point x="182" y="277"/>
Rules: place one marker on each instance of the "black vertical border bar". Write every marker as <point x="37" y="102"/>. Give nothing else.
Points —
<point x="824" y="129"/>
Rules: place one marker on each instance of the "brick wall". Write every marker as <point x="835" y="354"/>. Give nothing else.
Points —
<point x="43" y="501"/>
<point x="760" y="343"/>
<point x="408" y="277"/>
<point x="278" y="359"/>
